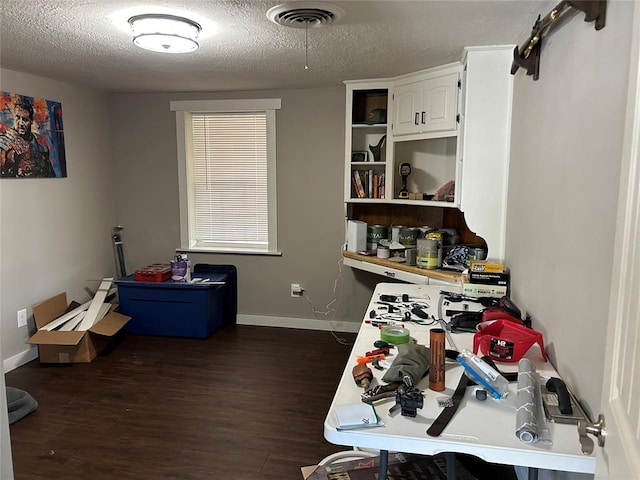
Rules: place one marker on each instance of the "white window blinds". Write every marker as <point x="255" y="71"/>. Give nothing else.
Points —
<point x="227" y="175"/>
<point x="230" y="181"/>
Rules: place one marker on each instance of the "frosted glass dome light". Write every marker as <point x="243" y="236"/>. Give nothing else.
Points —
<point x="165" y="33"/>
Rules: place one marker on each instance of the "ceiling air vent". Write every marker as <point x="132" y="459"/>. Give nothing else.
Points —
<point x="305" y="14"/>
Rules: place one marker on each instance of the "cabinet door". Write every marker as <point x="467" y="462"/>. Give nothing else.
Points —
<point x="408" y="100"/>
<point x="441" y="102"/>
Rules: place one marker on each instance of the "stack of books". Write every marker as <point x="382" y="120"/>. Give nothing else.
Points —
<point x="486" y="279"/>
<point x="367" y="184"/>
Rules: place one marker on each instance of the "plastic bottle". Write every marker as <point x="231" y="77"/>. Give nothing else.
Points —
<point x="485" y="374"/>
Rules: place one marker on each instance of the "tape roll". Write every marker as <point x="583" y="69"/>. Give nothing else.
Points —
<point x="395" y="335"/>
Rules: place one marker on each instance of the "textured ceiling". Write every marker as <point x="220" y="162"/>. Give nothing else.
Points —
<point x="89" y="41"/>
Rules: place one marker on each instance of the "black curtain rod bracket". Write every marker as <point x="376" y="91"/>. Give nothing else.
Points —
<point x="528" y="57"/>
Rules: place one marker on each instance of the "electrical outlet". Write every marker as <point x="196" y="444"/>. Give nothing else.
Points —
<point x="22" y="318"/>
<point x="296" y="290"/>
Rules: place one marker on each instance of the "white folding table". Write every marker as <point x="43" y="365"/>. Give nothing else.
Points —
<point x="485" y="429"/>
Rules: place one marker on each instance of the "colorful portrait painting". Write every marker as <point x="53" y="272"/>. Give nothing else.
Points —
<point x="31" y="137"/>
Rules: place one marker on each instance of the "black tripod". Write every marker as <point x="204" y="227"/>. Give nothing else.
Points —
<point x="121" y="269"/>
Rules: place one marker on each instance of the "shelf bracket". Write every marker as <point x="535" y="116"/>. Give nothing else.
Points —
<point x="528" y="56"/>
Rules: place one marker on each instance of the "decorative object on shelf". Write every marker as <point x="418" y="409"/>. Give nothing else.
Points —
<point x="165" y="33"/>
<point x="528" y="56"/>
<point x="376" y="150"/>
<point x="377" y="115"/>
<point x="445" y="193"/>
<point x="405" y="171"/>
<point x="359" y="156"/>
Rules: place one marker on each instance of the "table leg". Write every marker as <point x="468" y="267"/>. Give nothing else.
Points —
<point x="384" y="464"/>
<point x="451" y="465"/>
<point x="533" y="473"/>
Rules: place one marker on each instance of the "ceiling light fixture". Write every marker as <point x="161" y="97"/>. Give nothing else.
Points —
<point x="302" y="14"/>
<point x="165" y="33"/>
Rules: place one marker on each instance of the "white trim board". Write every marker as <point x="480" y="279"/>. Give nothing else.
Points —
<point x="302" y="323"/>
<point x="22" y="358"/>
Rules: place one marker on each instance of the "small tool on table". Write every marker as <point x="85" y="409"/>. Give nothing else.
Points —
<point x="362" y="375"/>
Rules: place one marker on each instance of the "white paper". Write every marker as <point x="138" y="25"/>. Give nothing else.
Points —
<point x="357" y="415"/>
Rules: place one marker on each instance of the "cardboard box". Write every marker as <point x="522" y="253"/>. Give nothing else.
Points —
<point x="490" y="278"/>
<point x="356" y="235"/>
<point x="483" y="290"/>
<point x="72" y="347"/>
<point x="485" y="266"/>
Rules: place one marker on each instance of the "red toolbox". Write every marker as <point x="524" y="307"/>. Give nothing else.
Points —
<point x="157" y="272"/>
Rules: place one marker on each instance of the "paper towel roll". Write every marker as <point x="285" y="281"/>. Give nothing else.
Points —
<point x="531" y="426"/>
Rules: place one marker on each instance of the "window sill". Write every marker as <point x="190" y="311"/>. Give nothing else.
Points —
<point x="233" y="251"/>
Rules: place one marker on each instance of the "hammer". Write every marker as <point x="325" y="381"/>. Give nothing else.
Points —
<point x="362" y="375"/>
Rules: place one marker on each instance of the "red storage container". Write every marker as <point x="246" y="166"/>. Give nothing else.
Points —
<point x="157" y="272"/>
<point x="505" y="341"/>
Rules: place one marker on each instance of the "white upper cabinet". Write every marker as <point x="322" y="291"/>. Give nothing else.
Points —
<point x="407" y="103"/>
<point x="451" y="125"/>
<point x="441" y="103"/>
<point x="485" y="142"/>
<point x="426" y="103"/>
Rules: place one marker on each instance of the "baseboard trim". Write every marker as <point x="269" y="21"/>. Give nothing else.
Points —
<point x="302" y="323"/>
<point x="31" y="353"/>
<point x="20" y="359"/>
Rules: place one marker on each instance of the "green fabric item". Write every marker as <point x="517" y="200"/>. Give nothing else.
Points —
<point x="412" y="360"/>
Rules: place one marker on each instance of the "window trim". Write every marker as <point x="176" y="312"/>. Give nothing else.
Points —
<point x="183" y="110"/>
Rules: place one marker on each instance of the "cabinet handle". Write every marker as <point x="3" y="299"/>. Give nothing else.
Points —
<point x="423" y="117"/>
<point x="390" y="274"/>
<point x="416" y="120"/>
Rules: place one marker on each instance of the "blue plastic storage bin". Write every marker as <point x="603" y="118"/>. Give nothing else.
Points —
<point x="175" y="309"/>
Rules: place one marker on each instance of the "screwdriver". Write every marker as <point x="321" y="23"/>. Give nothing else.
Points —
<point x="370" y="359"/>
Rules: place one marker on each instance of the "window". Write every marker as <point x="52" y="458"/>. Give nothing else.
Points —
<point x="227" y="175"/>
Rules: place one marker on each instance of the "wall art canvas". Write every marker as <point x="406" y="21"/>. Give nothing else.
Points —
<point x="31" y="137"/>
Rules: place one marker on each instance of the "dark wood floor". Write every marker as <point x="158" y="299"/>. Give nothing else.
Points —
<point x="247" y="403"/>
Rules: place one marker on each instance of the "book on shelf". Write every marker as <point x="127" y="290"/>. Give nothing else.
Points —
<point x="367" y="184"/>
<point x="359" y="188"/>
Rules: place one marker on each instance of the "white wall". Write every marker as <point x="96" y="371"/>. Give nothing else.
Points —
<point x="56" y="233"/>
<point x="563" y="188"/>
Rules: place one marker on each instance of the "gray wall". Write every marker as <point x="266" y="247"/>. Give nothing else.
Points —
<point x="56" y="233"/>
<point x="310" y="163"/>
<point x="563" y="189"/>
<point x="6" y="465"/>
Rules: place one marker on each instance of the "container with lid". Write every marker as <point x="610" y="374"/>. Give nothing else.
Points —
<point x="427" y="255"/>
